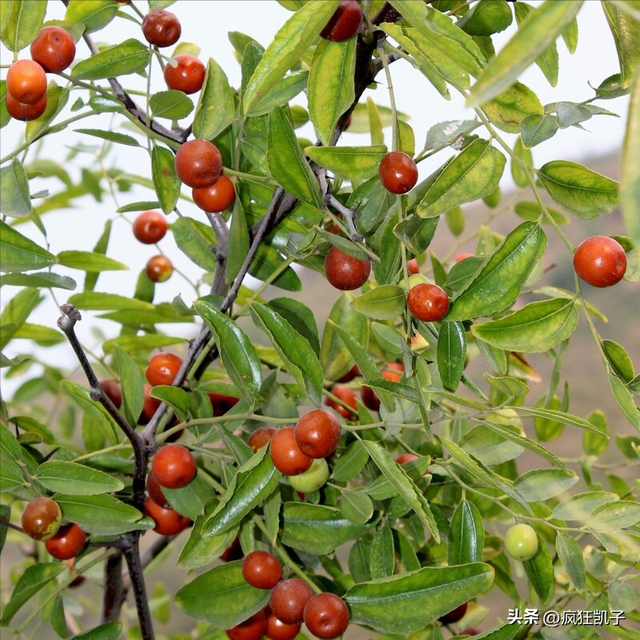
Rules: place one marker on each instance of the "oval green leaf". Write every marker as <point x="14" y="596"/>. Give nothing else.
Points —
<point x="196" y="246"/>
<point x="580" y="507"/>
<point x="19" y="253"/>
<point x="570" y="555"/>
<point x="512" y="106"/>
<point x="128" y="57"/>
<point x="451" y="354"/>
<point x="386" y="302"/>
<point x="538" y="485"/>
<point x="23" y="23"/>
<point x="16" y="199"/>
<point x="171" y="104"/>
<point x="93" y="14"/>
<point x="354" y="163"/>
<point x="165" y="179"/>
<point x="94" y="301"/>
<point x="89" y="261"/>
<point x="75" y="479"/>
<point x="539" y="570"/>
<point x="466" y="535"/>
<point x="216" y="107"/>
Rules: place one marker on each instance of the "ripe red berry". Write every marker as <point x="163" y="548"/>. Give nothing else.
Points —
<point x="41" y="518"/>
<point x="344" y="23"/>
<point x="217" y="197"/>
<point x="278" y="630"/>
<point x="398" y="172"/>
<point x="413" y="266"/>
<point x="25" y="112"/>
<point x="67" y="543"/>
<point x="187" y="76"/>
<point x="350" y="375"/>
<point x="149" y="406"/>
<point x="600" y="261"/>
<point x="261" y="570"/>
<point x="161" y="28"/>
<point x="392" y="372"/>
<point x="232" y="552"/>
<point x="317" y="433"/>
<point x="26" y="81"/>
<point x="155" y="491"/>
<point x="345" y="272"/>
<point x="163" y="368"/>
<point x="286" y="455"/>
<point x="326" y="615"/>
<point x="428" y="302"/>
<point x="221" y="403"/>
<point x="150" y="227"/>
<point x="53" y="49"/>
<point x="346" y="395"/>
<point x="288" y="600"/>
<point x="260" y="437"/>
<point x="159" y="268"/>
<point x="454" y="616"/>
<point x="113" y="391"/>
<point x="251" y="629"/>
<point x="168" y="522"/>
<point x="198" y="163"/>
<point x="173" y="466"/>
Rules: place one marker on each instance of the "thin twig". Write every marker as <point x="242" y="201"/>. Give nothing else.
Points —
<point x="348" y="215"/>
<point x="131" y="550"/>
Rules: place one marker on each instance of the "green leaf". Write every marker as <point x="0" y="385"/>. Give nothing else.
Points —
<point x="356" y="506"/>
<point x="626" y="34"/>
<point x="444" y="133"/>
<point x="287" y="47"/>
<point x="451" y="354"/>
<point x="381" y="554"/>
<point x="508" y="110"/>
<point x="300" y="317"/>
<point x="335" y="357"/>
<point x="191" y="241"/>
<point x="93" y="14"/>
<point x="353" y="163"/>
<point x="295" y="351"/>
<point x="199" y="551"/>
<point x="75" y="479"/>
<point x="570" y="555"/>
<point x="238" y="242"/>
<point x="409" y="602"/>
<point x="102" y="515"/>
<point x="382" y="489"/>
<point x="165" y="179"/>
<point x="471" y="175"/>
<point x="19" y="253"/>
<point x="16" y="313"/>
<point x="317" y="529"/>
<point x="23" y="23"/>
<point x="535" y="328"/>
<point x="94" y="301"/>
<point x="189" y="500"/>
<point x="112" y="136"/>
<point x="528" y="210"/>
<point x="630" y="176"/>
<point x="9" y="445"/>
<point x="132" y="344"/>
<point x="580" y="191"/>
<point x="216" y="107"/>
<point x="350" y="462"/>
<point x="238" y="353"/>
<point x="560" y="416"/>
<point x="486" y="18"/>
<point x="625" y="400"/>
<point x="171" y="104"/>
<point x="331" y="85"/>
<point x="466" y="535"/>
<point x="106" y="631"/>
<point x="131" y="383"/>
<point x="281" y="94"/>
<point x="5" y="14"/>
<point x="5" y="516"/>
<point x="538" y="485"/>
<point x="266" y="261"/>
<point x="30" y="582"/>
<point x="592" y="444"/>
<point x="221" y="596"/>
<point x="16" y="199"/>
<point x="405" y="487"/>
<point x="539" y="570"/>
<point x="90" y="262"/>
<point x="499" y="282"/>
<point x="619" y="359"/>
<point x="581" y="506"/>
<point x="100" y="247"/>
<point x="537" y="129"/>
<point x="287" y="162"/>
<point x="57" y="98"/>
<point x="11" y="476"/>
<point x="535" y="35"/>
<point x="386" y="302"/>
<point x="122" y="59"/>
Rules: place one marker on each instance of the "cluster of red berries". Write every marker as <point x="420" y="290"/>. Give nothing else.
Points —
<point x="149" y="228"/>
<point x="292" y="602"/>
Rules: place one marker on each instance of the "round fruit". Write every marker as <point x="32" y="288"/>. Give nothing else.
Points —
<point x="168" y="522"/>
<point x="454" y="616"/>
<point x="521" y="542"/>
<point x="67" y="542"/>
<point x="317" y="433"/>
<point x="260" y="437"/>
<point x="251" y="629"/>
<point x="350" y="375"/>
<point x="600" y="261"/>
<point x="113" y="391"/>
<point x="393" y="372"/>
<point x="346" y="395"/>
<point x="278" y="630"/>
<point x="159" y="268"/>
<point x="187" y="75"/>
<point x="428" y="302"/>
<point x="163" y="368"/>
<point x="313" y="478"/>
<point x="25" y="112"/>
<point x="150" y="227"/>
<point x="155" y="491"/>
<point x="232" y="552"/>
<point x="413" y="266"/>
<point x="261" y="570"/>
<point x="26" y="81"/>
<point x="344" y="23"/>
<point x="221" y="403"/>
<point x="345" y="272"/>
<point x="198" y="163"/>
<point x="286" y="455"/>
<point x="326" y="615"/>
<point x="217" y="197"/>
<point x="149" y="406"/>
<point x="161" y="28"/>
<point x="398" y="172"/>
<point x="173" y="466"/>
<point x="53" y="49"/>
<point x="403" y="458"/>
<point x="288" y="600"/>
<point x="41" y="518"/>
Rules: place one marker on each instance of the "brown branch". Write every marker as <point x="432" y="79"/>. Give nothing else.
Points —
<point x="114" y="594"/>
<point x="131" y="551"/>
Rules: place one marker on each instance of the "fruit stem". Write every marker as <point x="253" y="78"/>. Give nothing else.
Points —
<point x="392" y="98"/>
